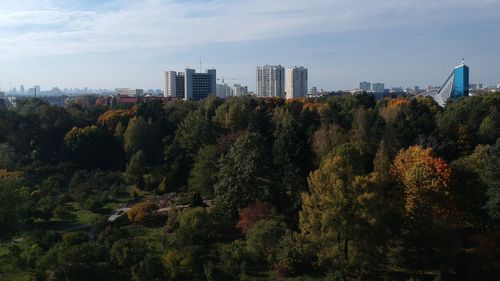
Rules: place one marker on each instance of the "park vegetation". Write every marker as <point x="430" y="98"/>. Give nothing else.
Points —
<point x="337" y="188"/>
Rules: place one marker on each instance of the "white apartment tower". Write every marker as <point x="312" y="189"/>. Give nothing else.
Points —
<point x="296" y="82"/>
<point x="170" y="86"/>
<point x="271" y="81"/>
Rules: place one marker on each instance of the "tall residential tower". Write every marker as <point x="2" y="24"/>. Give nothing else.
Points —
<point x="271" y="81"/>
<point x="296" y="82"/>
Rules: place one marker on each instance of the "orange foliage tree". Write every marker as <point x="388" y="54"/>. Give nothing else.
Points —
<point x="425" y="181"/>
<point x="111" y="118"/>
<point x="397" y="102"/>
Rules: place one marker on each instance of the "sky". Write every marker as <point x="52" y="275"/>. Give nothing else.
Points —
<point x="130" y="43"/>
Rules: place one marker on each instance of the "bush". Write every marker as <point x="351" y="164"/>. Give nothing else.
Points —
<point x="142" y="213"/>
<point x="250" y="215"/>
<point x="263" y="238"/>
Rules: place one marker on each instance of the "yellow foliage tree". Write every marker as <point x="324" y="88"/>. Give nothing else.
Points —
<point x="341" y="213"/>
<point x="425" y="180"/>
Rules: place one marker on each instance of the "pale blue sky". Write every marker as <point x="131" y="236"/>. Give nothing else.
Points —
<point x="129" y="43"/>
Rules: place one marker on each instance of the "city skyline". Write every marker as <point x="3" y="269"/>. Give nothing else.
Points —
<point x="110" y="44"/>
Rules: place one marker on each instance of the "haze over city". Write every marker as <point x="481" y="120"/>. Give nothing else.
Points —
<point x="123" y="43"/>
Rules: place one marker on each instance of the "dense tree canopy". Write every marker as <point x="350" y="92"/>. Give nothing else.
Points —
<point x="342" y="187"/>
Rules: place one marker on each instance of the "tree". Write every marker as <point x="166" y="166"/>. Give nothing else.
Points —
<point x="13" y="199"/>
<point x="142" y="213"/>
<point x="8" y="157"/>
<point x="136" y="169"/>
<point x="468" y="187"/>
<point x="344" y="214"/>
<point x="326" y="138"/>
<point x="251" y="214"/>
<point x="382" y="161"/>
<point x="425" y="180"/>
<point x="428" y="238"/>
<point x="195" y="131"/>
<point x="243" y="174"/>
<point x="292" y="158"/>
<point x="204" y="173"/>
<point x="111" y="118"/>
<point x="233" y="115"/>
<point x="263" y="238"/>
<point x="327" y="209"/>
<point x="136" y="136"/>
<point x="92" y="147"/>
<point x="491" y="176"/>
<point x="488" y="130"/>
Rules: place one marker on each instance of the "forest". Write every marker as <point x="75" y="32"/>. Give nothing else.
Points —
<point x="337" y="188"/>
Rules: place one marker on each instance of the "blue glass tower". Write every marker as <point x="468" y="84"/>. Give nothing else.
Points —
<point x="461" y="85"/>
<point x="456" y="86"/>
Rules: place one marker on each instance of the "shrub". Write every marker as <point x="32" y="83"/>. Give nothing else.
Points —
<point x="142" y="213"/>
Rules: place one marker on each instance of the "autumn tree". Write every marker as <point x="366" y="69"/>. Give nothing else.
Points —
<point x="429" y="241"/>
<point x="251" y="214"/>
<point x="142" y="213"/>
<point x="425" y="180"/>
<point x="340" y="208"/>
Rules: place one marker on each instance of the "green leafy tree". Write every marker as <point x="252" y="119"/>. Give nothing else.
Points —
<point x="491" y="176"/>
<point x="204" y="173"/>
<point x="92" y="147"/>
<point x="244" y="174"/>
<point x="136" y="169"/>
<point x="263" y="238"/>
<point x="13" y="199"/>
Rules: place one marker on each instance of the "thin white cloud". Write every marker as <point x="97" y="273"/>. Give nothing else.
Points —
<point x="45" y="27"/>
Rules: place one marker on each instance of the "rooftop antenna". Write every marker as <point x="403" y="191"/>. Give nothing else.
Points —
<point x="200" y="64"/>
<point x="463" y="61"/>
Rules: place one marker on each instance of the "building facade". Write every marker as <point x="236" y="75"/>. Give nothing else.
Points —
<point x="224" y="91"/>
<point x="378" y="87"/>
<point x="455" y="86"/>
<point x="296" y="82"/>
<point x="240" y="90"/>
<point x="365" y="86"/>
<point x="271" y="81"/>
<point x="190" y="85"/>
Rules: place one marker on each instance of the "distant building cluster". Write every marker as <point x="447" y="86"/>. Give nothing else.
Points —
<point x="271" y="81"/>
<point x="369" y="87"/>
<point x="276" y="81"/>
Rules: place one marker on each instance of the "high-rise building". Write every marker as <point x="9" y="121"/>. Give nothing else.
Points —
<point x="21" y="88"/>
<point x="456" y="85"/>
<point x="378" y="87"/>
<point x="271" y="81"/>
<point x="498" y="86"/>
<point x="240" y="90"/>
<point x="365" y="86"/>
<point x="170" y="84"/>
<point x="190" y="85"/>
<point x="296" y="82"/>
<point x="314" y="91"/>
<point x="224" y="91"/>
<point x="36" y="90"/>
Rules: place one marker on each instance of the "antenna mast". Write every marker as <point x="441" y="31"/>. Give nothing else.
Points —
<point x="200" y="64"/>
